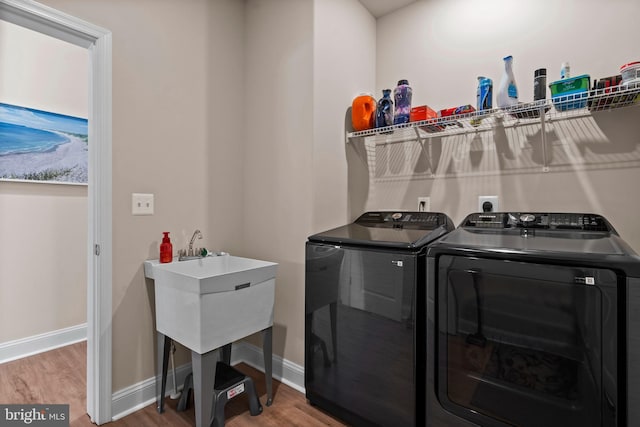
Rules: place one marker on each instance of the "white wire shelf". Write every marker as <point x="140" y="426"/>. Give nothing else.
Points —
<point x="569" y="106"/>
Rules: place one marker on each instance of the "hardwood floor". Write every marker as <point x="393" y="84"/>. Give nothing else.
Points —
<point x="58" y="376"/>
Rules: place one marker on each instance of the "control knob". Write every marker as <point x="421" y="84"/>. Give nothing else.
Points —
<point x="527" y="219"/>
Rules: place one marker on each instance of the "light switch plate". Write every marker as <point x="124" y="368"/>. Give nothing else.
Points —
<point x="141" y="204"/>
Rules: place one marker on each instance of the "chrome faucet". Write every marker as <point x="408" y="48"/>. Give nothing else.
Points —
<point x="197" y="234"/>
<point x="186" y="255"/>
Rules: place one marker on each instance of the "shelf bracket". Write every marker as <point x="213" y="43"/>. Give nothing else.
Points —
<point x="418" y="137"/>
<point x="425" y="149"/>
<point x="543" y="133"/>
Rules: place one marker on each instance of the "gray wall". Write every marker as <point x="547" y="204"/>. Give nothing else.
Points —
<point x="43" y="227"/>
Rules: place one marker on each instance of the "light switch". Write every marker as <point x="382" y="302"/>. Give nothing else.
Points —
<point x="141" y="204"/>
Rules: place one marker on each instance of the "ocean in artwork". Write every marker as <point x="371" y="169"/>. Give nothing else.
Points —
<point x="42" y="146"/>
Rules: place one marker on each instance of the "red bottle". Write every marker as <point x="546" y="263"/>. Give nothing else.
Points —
<point x="166" y="248"/>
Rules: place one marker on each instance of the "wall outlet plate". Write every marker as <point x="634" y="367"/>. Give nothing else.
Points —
<point x="141" y="204"/>
<point x="495" y="207"/>
<point x="424" y="204"/>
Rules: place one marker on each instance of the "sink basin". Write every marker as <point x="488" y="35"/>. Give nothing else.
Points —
<point x="209" y="302"/>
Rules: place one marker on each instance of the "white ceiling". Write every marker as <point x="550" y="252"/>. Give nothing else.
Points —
<point x="379" y="8"/>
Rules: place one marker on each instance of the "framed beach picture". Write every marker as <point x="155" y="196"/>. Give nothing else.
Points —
<point x="42" y="146"/>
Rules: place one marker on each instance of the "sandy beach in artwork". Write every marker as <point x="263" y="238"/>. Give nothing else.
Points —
<point x="67" y="162"/>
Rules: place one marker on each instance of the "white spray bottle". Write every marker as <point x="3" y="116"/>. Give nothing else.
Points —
<point x="507" y="94"/>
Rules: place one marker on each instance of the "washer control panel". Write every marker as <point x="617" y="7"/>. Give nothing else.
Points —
<point x="548" y="221"/>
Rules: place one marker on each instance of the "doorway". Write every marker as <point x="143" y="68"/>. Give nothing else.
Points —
<point x="97" y="41"/>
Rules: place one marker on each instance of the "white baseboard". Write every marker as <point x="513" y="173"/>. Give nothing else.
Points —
<point x="284" y="371"/>
<point x="137" y="396"/>
<point x="17" y="349"/>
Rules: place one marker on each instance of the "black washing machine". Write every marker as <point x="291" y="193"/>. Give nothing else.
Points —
<point x="364" y="298"/>
<point x="533" y="319"/>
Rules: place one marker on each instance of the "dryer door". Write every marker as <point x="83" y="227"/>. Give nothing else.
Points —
<point x="527" y="344"/>
<point x="359" y="334"/>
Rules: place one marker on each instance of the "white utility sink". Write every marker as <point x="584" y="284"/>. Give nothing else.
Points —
<point x="207" y="303"/>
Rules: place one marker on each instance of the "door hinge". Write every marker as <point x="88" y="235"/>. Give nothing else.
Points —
<point x="96" y="249"/>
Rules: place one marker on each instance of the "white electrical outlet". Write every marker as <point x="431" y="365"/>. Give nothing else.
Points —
<point x="141" y="204"/>
<point x="491" y="199"/>
<point x="424" y="204"/>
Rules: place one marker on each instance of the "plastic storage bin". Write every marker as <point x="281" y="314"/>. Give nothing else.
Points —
<point x="423" y="112"/>
<point x="570" y="93"/>
<point x="630" y="75"/>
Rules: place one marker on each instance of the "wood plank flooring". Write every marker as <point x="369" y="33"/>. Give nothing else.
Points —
<point x="58" y="376"/>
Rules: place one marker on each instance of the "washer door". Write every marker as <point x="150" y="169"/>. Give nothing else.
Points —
<point x="527" y="344"/>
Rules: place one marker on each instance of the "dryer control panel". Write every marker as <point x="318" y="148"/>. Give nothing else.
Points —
<point x="402" y="219"/>
<point x="537" y="220"/>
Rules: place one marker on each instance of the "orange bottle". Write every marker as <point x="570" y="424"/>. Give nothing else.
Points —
<point x="363" y="112"/>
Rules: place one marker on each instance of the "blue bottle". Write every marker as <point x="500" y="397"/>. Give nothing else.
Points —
<point x="402" y="95"/>
<point x="384" y="110"/>
<point x="485" y="93"/>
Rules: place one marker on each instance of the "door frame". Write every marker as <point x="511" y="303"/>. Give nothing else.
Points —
<point x="97" y="41"/>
